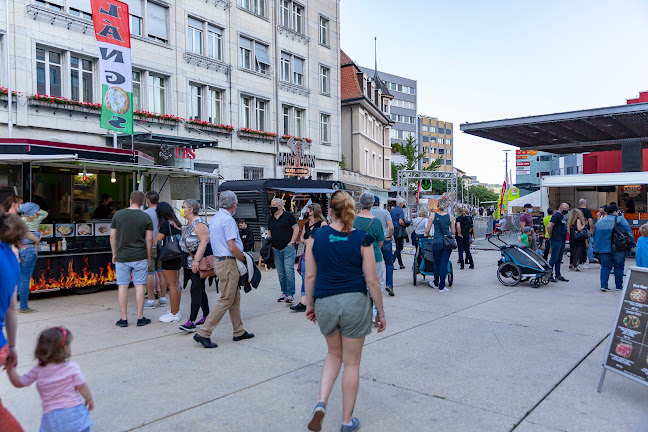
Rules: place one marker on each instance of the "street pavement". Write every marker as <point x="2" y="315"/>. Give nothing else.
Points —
<point x="482" y="357"/>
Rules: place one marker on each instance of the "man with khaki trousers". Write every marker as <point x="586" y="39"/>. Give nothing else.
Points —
<point x="227" y="247"/>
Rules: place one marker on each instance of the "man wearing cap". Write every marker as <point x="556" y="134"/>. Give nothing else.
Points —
<point x="608" y="256"/>
<point x="387" y="283"/>
<point x="526" y="220"/>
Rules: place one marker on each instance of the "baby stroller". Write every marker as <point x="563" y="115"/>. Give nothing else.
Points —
<point x="424" y="263"/>
<point x="519" y="264"/>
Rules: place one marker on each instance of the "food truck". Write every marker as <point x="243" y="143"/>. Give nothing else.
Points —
<point x="254" y="198"/>
<point x="627" y="189"/>
<point x="68" y="181"/>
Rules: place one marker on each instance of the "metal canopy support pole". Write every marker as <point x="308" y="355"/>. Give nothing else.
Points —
<point x="9" y="88"/>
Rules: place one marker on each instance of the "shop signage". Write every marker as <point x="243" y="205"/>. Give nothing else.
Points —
<point x="297" y="162"/>
<point x="627" y="352"/>
<point x="112" y="32"/>
<point x="168" y="152"/>
<point x="523" y="172"/>
<point x="526" y="152"/>
<point x="522" y="164"/>
<point x="636" y="189"/>
<point x="183" y="188"/>
<point x="521" y="157"/>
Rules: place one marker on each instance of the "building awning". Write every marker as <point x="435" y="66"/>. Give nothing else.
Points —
<point x="20" y="158"/>
<point x="158" y="140"/>
<point x="306" y="190"/>
<point x="599" y="129"/>
<point x="603" y="179"/>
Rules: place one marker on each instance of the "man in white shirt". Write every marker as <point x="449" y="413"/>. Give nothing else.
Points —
<point x="227" y="247"/>
<point x="155" y="266"/>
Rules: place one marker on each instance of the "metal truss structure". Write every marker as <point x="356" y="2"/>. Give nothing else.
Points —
<point x="406" y="178"/>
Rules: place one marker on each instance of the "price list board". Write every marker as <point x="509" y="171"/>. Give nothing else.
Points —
<point x="627" y="352"/>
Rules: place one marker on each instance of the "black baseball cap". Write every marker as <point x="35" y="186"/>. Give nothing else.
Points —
<point x="528" y="205"/>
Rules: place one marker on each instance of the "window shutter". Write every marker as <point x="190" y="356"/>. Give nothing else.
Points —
<point x="195" y="23"/>
<point x="261" y="52"/>
<point x="134" y="7"/>
<point x="215" y="29"/>
<point x="285" y="56"/>
<point x="298" y="66"/>
<point x="245" y="43"/>
<point x="157" y="21"/>
<point x="82" y="5"/>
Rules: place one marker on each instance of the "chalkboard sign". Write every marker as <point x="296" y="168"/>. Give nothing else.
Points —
<point x="183" y="188"/>
<point x="627" y="352"/>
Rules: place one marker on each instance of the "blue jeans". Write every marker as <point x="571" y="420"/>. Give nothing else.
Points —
<point x="609" y="260"/>
<point x="27" y="264"/>
<point x="303" y="275"/>
<point x="441" y="258"/>
<point x="387" y="254"/>
<point x="590" y="250"/>
<point x="557" y="251"/>
<point x="285" y="262"/>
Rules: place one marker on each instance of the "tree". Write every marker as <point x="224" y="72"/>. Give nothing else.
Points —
<point x="409" y="150"/>
<point x="482" y="193"/>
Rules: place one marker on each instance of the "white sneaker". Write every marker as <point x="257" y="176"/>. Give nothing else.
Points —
<point x="585" y="266"/>
<point x="444" y="290"/>
<point x="149" y="304"/>
<point x="169" y="317"/>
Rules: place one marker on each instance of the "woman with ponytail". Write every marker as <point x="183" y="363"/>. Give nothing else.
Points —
<point x="340" y="265"/>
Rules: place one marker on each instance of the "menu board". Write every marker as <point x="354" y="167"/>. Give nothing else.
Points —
<point x="627" y="353"/>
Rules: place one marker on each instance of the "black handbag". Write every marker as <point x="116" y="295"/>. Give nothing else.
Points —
<point x="579" y="235"/>
<point x="449" y="242"/>
<point x="169" y="248"/>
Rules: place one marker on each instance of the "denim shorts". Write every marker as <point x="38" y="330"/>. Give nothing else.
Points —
<point x="66" y="419"/>
<point x="137" y="268"/>
<point x="348" y="313"/>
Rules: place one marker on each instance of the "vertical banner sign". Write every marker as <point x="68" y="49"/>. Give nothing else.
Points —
<point x="112" y="31"/>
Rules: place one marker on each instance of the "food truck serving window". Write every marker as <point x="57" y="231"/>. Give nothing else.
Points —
<point x="246" y="210"/>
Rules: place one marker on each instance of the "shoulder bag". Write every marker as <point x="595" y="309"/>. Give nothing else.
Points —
<point x="206" y="265"/>
<point x="449" y="242"/>
<point x="169" y="248"/>
<point x="583" y="234"/>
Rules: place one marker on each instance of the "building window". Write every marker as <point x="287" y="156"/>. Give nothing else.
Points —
<point x="299" y="121"/>
<point x="195" y="102"/>
<point x="214" y="42"/>
<point x="156" y="25"/>
<point x="136" y="25"/>
<point x="371" y="128"/>
<point x="80" y="14"/>
<point x="81" y="79"/>
<point x="298" y="18"/>
<point x="325" y="76"/>
<point x="298" y="71"/>
<point x="426" y="138"/>
<point x="260" y="115"/>
<point x="214" y="106"/>
<point x="255" y="6"/>
<point x="366" y="161"/>
<point x="373" y="163"/>
<point x="156" y="100"/>
<point x="432" y="129"/>
<point x="324" y="31"/>
<point x="325" y="124"/>
<point x="207" y="185"/>
<point x="50" y="5"/>
<point x="441" y="131"/>
<point x="285" y="13"/>
<point x="285" y="67"/>
<point x="48" y="72"/>
<point x="137" y="101"/>
<point x="262" y="64"/>
<point x="245" y="53"/>
<point x="448" y="131"/>
<point x="194" y="36"/>
<point x="252" y="173"/>
<point x="245" y="112"/>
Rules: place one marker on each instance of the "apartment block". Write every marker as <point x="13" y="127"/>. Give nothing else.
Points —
<point x="230" y="80"/>
<point x="436" y="142"/>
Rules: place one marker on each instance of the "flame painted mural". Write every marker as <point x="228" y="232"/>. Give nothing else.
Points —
<point x="65" y="272"/>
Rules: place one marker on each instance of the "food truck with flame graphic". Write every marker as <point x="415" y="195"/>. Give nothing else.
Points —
<point x="69" y="181"/>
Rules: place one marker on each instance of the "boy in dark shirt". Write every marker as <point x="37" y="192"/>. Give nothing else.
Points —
<point x="247" y="236"/>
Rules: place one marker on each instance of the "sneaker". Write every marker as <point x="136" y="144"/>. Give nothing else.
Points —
<point x="390" y="291"/>
<point x="169" y="317"/>
<point x="122" y="323"/>
<point x="289" y="299"/>
<point x="189" y="327"/>
<point x="149" y="304"/>
<point x="317" y="417"/>
<point x="444" y="290"/>
<point x="299" y="307"/>
<point x="201" y="321"/>
<point x="604" y="289"/>
<point x="282" y="298"/>
<point x="143" y="321"/>
<point x="619" y="289"/>
<point x="585" y="266"/>
<point x="433" y="284"/>
<point x="354" y="426"/>
<point x="27" y="310"/>
<point x="162" y="302"/>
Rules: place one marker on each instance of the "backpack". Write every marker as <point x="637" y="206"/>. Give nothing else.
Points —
<point x="621" y="239"/>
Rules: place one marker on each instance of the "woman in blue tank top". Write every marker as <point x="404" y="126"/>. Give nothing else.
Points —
<point x="340" y="265"/>
<point x="444" y="226"/>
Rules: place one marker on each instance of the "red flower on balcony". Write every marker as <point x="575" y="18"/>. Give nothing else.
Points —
<point x="258" y="132"/>
<point x="287" y="137"/>
<point x="197" y="122"/>
<point x="166" y="117"/>
<point x="58" y="100"/>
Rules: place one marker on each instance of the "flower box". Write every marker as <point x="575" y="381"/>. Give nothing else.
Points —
<point x="207" y="126"/>
<point x="63" y="103"/>
<point x="144" y="116"/>
<point x="285" y="138"/>
<point x="251" y="133"/>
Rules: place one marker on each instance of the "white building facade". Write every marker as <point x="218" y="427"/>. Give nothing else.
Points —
<point x="209" y="71"/>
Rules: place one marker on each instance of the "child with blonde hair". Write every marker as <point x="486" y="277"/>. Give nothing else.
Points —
<point x="641" y="253"/>
<point x="59" y="383"/>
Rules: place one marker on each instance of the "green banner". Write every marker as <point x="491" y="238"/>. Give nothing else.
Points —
<point x="117" y="109"/>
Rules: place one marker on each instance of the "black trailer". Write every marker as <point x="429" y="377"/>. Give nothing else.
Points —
<point x="254" y="198"/>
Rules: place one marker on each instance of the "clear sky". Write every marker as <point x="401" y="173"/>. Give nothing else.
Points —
<point x="478" y="60"/>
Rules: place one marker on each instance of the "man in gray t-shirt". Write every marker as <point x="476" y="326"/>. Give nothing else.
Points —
<point x="388" y="227"/>
<point x="155" y="266"/>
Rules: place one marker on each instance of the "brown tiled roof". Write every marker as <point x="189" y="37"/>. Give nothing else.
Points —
<point x="349" y="84"/>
